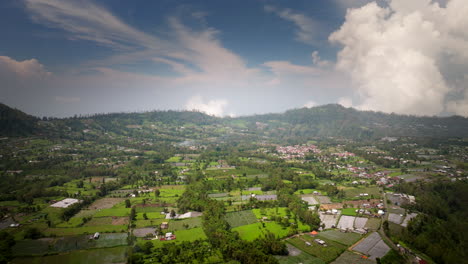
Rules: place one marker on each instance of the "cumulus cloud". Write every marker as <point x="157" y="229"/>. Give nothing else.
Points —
<point x="399" y="56"/>
<point x="20" y="70"/>
<point x="306" y="27"/>
<point x="310" y="104"/>
<point x="211" y="107"/>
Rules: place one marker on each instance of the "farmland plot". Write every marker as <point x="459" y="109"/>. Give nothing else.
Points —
<point x="373" y="245"/>
<point x="328" y="220"/>
<point x="310" y="200"/>
<point x="395" y="218"/>
<point x="346" y="222"/>
<point x="360" y="222"/>
<point x="241" y="218"/>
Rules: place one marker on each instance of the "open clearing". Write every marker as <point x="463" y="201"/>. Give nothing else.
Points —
<point x="323" y="199"/>
<point x="373" y="223"/>
<point x="373" y="245"/>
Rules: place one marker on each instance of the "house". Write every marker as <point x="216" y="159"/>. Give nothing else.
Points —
<point x="164" y="225"/>
<point x="320" y="242"/>
<point x="313" y="233"/>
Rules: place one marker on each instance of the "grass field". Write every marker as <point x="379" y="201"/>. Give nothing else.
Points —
<point x="94" y="256"/>
<point x="327" y="254"/>
<point x="236" y="219"/>
<point x="353" y="192"/>
<point x="113" y="212"/>
<point x="346" y="239"/>
<point x="150" y="215"/>
<point x="67" y="243"/>
<point x="278" y="211"/>
<point x="181" y="224"/>
<point x="373" y="223"/>
<point x="181" y="235"/>
<point x="85" y="230"/>
<point x="349" y="211"/>
<point x="253" y="231"/>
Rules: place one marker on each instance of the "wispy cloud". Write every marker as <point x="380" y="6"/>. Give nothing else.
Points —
<point x="306" y="27"/>
<point x="87" y="20"/>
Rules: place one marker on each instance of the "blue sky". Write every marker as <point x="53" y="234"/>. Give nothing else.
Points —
<point x="66" y="57"/>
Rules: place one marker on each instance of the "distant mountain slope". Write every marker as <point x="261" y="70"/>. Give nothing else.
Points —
<point x="336" y="120"/>
<point x="13" y="122"/>
<point x="322" y="121"/>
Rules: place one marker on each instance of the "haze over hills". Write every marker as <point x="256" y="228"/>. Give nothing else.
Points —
<point x="328" y="120"/>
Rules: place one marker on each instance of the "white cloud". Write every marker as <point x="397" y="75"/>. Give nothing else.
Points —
<point x="211" y="107"/>
<point x="345" y="101"/>
<point x="310" y="104"/>
<point x="306" y="27"/>
<point x="398" y="56"/>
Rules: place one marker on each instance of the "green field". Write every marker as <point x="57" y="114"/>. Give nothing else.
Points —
<point x="353" y="192"/>
<point x="327" y="254"/>
<point x="346" y="239"/>
<point x="85" y="230"/>
<point x="150" y="215"/>
<point x="67" y="243"/>
<point x="253" y="231"/>
<point x="113" y="212"/>
<point x="181" y="235"/>
<point x="268" y="212"/>
<point x="373" y="223"/>
<point x="349" y="211"/>
<point x="94" y="256"/>
<point x="185" y="223"/>
<point x="236" y="219"/>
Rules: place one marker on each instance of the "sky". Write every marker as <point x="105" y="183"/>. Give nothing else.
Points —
<point x="232" y="58"/>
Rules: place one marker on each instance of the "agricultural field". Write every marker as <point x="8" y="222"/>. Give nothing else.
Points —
<point x="327" y="254"/>
<point x="256" y="230"/>
<point x="346" y="222"/>
<point x="92" y="256"/>
<point x="373" y="246"/>
<point x="373" y="223"/>
<point x="349" y="257"/>
<point x="352" y="193"/>
<point x="236" y="219"/>
<point x="349" y="211"/>
<point x="346" y="239"/>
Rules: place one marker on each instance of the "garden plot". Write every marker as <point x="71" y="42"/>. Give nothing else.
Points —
<point x="348" y="257"/>
<point x="408" y="218"/>
<point x="105" y="203"/>
<point x="323" y="199"/>
<point x="360" y="222"/>
<point x="346" y="222"/>
<point x="395" y="218"/>
<point x="310" y="200"/>
<point x="218" y="195"/>
<point x="340" y="237"/>
<point x="241" y="218"/>
<point x="373" y="245"/>
<point x="328" y="219"/>
<point x="142" y="232"/>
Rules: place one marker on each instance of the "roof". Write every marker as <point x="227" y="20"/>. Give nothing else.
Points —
<point x="314" y="233"/>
